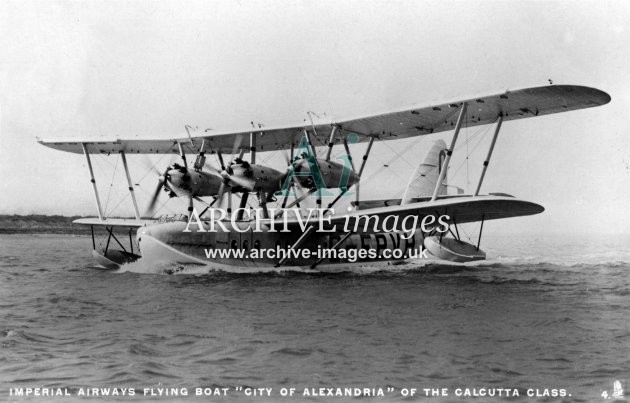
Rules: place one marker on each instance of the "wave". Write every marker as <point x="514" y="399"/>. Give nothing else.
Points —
<point x="540" y="266"/>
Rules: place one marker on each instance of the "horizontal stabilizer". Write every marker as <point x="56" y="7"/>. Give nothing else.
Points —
<point x="463" y="209"/>
<point x="370" y="204"/>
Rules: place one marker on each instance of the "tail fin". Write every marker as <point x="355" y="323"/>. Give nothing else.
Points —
<point x="426" y="174"/>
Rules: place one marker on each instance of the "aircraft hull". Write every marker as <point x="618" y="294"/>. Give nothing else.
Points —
<point x="167" y="244"/>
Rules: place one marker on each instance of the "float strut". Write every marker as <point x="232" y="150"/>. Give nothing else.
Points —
<point x="456" y="230"/>
<point x="109" y="237"/>
<point x="483" y="216"/>
<point x="133" y="196"/>
<point x="98" y="201"/>
<point x="449" y="152"/>
<point x="487" y="161"/>
<point x="296" y="245"/>
<point x="111" y="234"/>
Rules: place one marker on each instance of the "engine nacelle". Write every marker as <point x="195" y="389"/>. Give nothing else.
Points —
<point x="246" y="177"/>
<point x="188" y="183"/>
<point x="333" y="174"/>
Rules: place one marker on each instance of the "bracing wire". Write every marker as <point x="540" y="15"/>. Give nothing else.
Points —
<point x="111" y="186"/>
<point x="467" y="153"/>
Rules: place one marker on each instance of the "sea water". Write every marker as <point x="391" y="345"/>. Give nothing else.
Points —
<point x="544" y="313"/>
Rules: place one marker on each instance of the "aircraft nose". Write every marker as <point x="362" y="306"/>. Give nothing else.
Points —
<point x="173" y="174"/>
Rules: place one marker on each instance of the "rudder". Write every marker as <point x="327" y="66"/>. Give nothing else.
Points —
<point x="422" y="181"/>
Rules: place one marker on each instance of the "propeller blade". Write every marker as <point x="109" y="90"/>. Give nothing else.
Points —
<point x="190" y="206"/>
<point x="221" y="161"/>
<point x="287" y="158"/>
<point x="161" y="182"/>
<point x="212" y="169"/>
<point x="247" y="184"/>
<point x="220" y="194"/>
<point x="237" y="143"/>
<point x="242" y="206"/>
<point x="299" y="188"/>
<point x="154" y="198"/>
<point x="182" y="154"/>
<point x="202" y="201"/>
<point x="148" y="165"/>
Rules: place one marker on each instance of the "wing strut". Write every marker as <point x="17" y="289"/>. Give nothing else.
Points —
<point x="98" y="201"/>
<point x="366" y="155"/>
<point x="365" y="158"/>
<point x="133" y="196"/>
<point x="345" y="144"/>
<point x="487" y="161"/>
<point x="449" y="152"/>
<point x="331" y="142"/>
<point x="252" y="147"/>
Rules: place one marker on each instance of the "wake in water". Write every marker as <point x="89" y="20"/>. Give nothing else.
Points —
<point x="141" y="267"/>
<point x="586" y="261"/>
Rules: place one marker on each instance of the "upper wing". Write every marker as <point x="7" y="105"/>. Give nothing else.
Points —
<point x="518" y="104"/>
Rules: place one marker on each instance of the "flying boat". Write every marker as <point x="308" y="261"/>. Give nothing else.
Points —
<point x="196" y="235"/>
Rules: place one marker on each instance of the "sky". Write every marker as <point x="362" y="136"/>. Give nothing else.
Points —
<point x="144" y="69"/>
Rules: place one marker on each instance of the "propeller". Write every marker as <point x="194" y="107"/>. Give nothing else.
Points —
<point x="163" y="180"/>
<point x="227" y="173"/>
<point x="149" y="165"/>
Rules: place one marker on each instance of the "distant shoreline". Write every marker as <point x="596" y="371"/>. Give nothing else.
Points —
<point x="41" y="224"/>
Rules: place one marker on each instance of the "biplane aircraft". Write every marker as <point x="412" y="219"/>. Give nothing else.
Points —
<point x="188" y="238"/>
